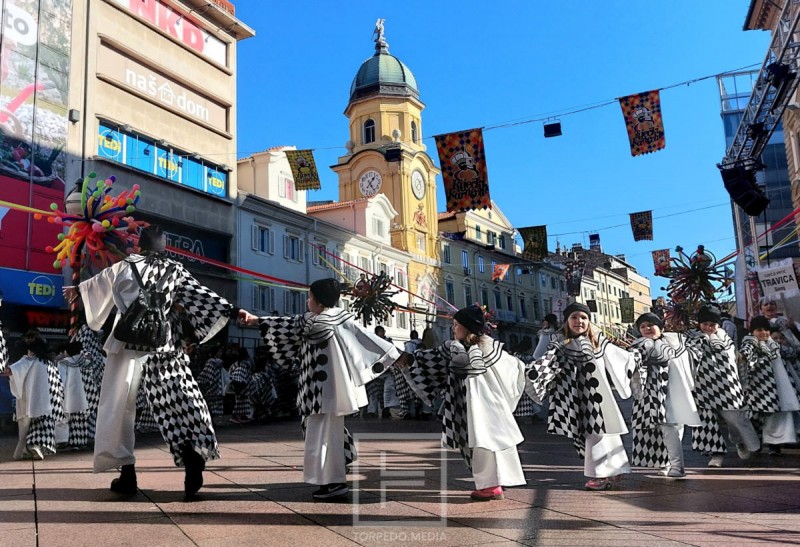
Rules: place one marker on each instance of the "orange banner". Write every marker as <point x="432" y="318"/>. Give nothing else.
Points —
<point x="463" y="163"/>
<point x="500" y="271"/>
<point x="642" y="112"/>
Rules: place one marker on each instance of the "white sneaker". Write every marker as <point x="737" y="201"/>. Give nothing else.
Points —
<point x="743" y="452"/>
<point x="677" y="473"/>
<point x="715" y="461"/>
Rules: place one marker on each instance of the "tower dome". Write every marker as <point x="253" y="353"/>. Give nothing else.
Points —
<point x="383" y="74"/>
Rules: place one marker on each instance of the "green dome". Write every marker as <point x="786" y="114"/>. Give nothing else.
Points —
<point x="383" y="74"/>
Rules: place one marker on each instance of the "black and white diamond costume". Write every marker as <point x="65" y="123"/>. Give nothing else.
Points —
<point x="178" y="406"/>
<point x="575" y="375"/>
<point x="477" y="411"/>
<point x="718" y="394"/>
<point x="769" y="393"/>
<point x="337" y="358"/>
<point x="663" y="404"/>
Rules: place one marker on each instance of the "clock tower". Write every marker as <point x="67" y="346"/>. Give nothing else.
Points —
<point x="386" y="155"/>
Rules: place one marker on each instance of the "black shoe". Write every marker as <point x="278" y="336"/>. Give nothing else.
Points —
<point x="385" y="413"/>
<point x="333" y="490"/>
<point x="775" y="451"/>
<point x="125" y="484"/>
<point x="195" y="465"/>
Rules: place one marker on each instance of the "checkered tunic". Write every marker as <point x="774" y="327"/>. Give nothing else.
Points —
<point x="3" y="351"/>
<point x="526" y="406"/>
<point x="241" y="373"/>
<point x="92" y="374"/>
<point x="760" y="387"/>
<point x="290" y="339"/>
<point x="567" y="374"/>
<point x="42" y="432"/>
<point x="649" y="407"/>
<point x="178" y="406"/>
<point x="261" y="392"/>
<point x="210" y="382"/>
<point x="717" y="387"/>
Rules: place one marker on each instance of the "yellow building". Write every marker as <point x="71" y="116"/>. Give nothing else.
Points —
<point x="386" y="155"/>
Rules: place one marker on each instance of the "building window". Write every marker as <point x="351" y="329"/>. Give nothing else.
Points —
<point x="536" y="312"/>
<point x="400" y="278"/>
<point x="294" y="248"/>
<point x="467" y="294"/>
<point x="502" y="241"/>
<point x="552" y="282"/>
<point x="465" y="260"/>
<point x="450" y="291"/>
<point x="369" y="131"/>
<point x="320" y="257"/>
<point x="446" y="253"/>
<point x="522" y="311"/>
<point x="562" y="284"/>
<point x="383" y="268"/>
<point x="364" y="263"/>
<point x="421" y="243"/>
<point x="509" y="302"/>
<point x="378" y="227"/>
<point x="491" y="237"/>
<point x="543" y="280"/>
<point x="402" y="321"/>
<point x="498" y="302"/>
<point x="263" y="239"/>
<point x="414" y="133"/>
<point x="478" y="233"/>
<point x="294" y="302"/>
<point x="481" y="265"/>
<point x="263" y="298"/>
<point x="484" y="296"/>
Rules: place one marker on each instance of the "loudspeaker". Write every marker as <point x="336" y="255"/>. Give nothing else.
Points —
<point x="552" y="129"/>
<point x="394" y="153"/>
<point x="740" y="182"/>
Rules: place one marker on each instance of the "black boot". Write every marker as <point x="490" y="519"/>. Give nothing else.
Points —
<point x="125" y="484"/>
<point x="195" y="465"/>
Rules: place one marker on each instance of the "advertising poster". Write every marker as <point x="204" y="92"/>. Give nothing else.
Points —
<point x="34" y="77"/>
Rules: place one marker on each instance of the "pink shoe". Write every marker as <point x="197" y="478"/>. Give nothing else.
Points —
<point x="599" y="484"/>
<point x="488" y="494"/>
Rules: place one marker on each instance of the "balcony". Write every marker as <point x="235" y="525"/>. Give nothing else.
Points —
<point x="505" y="315"/>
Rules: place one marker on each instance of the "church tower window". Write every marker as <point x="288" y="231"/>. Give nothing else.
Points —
<point x="369" y="131"/>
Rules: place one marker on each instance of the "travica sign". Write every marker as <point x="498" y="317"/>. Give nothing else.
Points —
<point x="178" y="25"/>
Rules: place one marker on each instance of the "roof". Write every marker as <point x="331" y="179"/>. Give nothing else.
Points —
<point x="383" y="74"/>
<point x="335" y="205"/>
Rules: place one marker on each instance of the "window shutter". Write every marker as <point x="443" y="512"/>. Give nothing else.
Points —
<point x="254" y="237"/>
<point x="271" y="241"/>
<point x="301" y="249"/>
<point x="254" y="298"/>
<point x="285" y="246"/>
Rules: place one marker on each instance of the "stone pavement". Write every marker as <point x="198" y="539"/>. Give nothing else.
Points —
<point x="407" y="491"/>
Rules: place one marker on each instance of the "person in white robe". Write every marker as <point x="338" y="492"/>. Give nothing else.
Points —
<point x="576" y="373"/>
<point x="76" y="404"/>
<point x="337" y="358"/>
<point x="718" y="391"/>
<point x="769" y="393"/>
<point x="36" y="385"/>
<point x="174" y="397"/>
<point x="663" y="404"/>
<point x="482" y="386"/>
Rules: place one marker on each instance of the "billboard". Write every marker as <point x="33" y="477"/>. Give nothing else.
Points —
<point x="34" y="78"/>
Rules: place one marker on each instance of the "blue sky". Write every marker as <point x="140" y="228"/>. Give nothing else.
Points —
<point x="519" y="60"/>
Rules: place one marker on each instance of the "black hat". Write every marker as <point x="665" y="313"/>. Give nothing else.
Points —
<point x="651" y="318"/>
<point x="326" y="291"/>
<point x="576" y="306"/>
<point x="472" y="318"/>
<point x="551" y="319"/>
<point x="759" y="322"/>
<point x="709" y="313"/>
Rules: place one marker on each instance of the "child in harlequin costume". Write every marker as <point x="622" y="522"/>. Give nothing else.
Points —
<point x="663" y="403"/>
<point x="93" y="364"/>
<point x="789" y="356"/>
<point x="337" y="358"/>
<point x="769" y="393"/>
<point x="482" y="386"/>
<point x="76" y="405"/>
<point x="212" y="383"/>
<point x="718" y="390"/>
<point x="36" y="384"/>
<point x="574" y="373"/>
<point x="164" y="375"/>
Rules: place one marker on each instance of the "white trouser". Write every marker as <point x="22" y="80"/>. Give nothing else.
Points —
<point x="673" y="437"/>
<point x="501" y="468"/>
<point x="324" y="460"/>
<point x="740" y="429"/>
<point x="24" y="425"/>
<point x="116" y="413"/>
<point x="779" y="428"/>
<point x="605" y="456"/>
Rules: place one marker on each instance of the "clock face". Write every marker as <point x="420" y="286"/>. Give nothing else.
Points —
<point x="370" y="183"/>
<point x="418" y="184"/>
